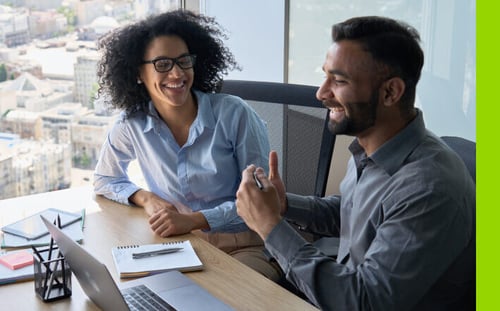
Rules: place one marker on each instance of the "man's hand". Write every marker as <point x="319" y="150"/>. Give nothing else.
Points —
<point x="260" y="209"/>
<point x="274" y="177"/>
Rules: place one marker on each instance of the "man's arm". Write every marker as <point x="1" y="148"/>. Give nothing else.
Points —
<point x="316" y="215"/>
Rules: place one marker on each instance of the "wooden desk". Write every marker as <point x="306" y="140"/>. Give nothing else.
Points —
<point x="108" y="224"/>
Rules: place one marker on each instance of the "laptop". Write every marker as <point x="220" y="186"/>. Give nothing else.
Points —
<point x="171" y="290"/>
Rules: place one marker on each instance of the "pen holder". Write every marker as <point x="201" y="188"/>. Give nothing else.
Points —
<point x="52" y="275"/>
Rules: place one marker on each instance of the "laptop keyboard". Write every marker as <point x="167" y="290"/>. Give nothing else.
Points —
<point x="142" y="298"/>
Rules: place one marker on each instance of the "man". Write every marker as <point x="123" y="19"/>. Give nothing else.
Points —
<point x="405" y="215"/>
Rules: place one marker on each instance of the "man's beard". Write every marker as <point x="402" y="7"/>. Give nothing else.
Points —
<point x="362" y="115"/>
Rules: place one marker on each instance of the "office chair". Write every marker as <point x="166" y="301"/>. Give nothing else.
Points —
<point x="466" y="150"/>
<point x="298" y="130"/>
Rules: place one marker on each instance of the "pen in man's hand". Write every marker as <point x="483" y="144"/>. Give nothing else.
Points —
<point x="257" y="181"/>
<point x="156" y="253"/>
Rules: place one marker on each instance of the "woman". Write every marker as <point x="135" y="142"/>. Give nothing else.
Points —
<point x="190" y="142"/>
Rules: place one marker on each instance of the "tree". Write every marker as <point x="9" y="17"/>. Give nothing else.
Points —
<point x="94" y="94"/>
<point x="3" y="73"/>
<point x="69" y="14"/>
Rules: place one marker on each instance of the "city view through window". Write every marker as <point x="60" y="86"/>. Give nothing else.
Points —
<point x="51" y="124"/>
<point x="52" y="127"/>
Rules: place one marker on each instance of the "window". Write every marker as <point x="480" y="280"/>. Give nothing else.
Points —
<point x="447" y="88"/>
<point x="279" y="40"/>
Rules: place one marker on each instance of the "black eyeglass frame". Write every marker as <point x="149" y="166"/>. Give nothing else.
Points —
<point x="174" y="62"/>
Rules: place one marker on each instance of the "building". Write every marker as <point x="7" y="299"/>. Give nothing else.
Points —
<point x="86" y="79"/>
<point x="43" y="5"/>
<point x="7" y="101"/>
<point x="87" y="11"/>
<point x="29" y="167"/>
<point x="120" y="10"/>
<point x="15" y="68"/>
<point x="14" y="29"/>
<point x="97" y="28"/>
<point x="88" y="134"/>
<point x="57" y="122"/>
<point x="8" y="55"/>
<point x="144" y="8"/>
<point x="60" y="138"/>
<point x="47" y="24"/>
<point x="26" y="124"/>
<point x="7" y="184"/>
<point x="40" y="167"/>
<point x="34" y="94"/>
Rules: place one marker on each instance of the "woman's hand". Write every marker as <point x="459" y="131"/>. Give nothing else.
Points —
<point x="167" y="222"/>
<point x="150" y="201"/>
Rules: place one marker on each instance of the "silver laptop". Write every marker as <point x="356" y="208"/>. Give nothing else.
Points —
<point x="172" y="290"/>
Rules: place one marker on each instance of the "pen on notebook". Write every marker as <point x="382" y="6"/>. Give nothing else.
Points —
<point x="156" y="252"/>
<point x="257" y="181"/>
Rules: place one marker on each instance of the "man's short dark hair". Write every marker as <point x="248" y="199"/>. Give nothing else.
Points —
<point x="392" y="43"/>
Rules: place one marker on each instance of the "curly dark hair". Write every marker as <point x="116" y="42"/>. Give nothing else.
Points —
<point x="123" y="50"/>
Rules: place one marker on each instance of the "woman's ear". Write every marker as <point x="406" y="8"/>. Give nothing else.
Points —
<point x="139" y="77"/>
<point x="393" y="90"/>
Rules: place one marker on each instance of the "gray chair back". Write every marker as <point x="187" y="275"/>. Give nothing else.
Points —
<point x="466" y="149"/>
<point x="298" y="130"/>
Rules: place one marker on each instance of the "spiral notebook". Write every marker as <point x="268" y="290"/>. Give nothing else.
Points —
<point x="182" y="260"/>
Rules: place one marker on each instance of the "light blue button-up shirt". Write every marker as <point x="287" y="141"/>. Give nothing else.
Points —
<point x="204" y="174"/>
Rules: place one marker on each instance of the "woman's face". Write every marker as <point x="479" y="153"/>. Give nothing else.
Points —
<point x="173" y="86"/>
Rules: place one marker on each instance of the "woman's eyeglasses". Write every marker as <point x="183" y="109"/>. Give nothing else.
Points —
<point x="165" y="64"/>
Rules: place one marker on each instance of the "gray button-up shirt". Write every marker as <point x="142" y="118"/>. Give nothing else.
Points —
<point x="405" y="219"/>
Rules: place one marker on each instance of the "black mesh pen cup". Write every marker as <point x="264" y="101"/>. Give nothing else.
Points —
<point x="52" y="274"/>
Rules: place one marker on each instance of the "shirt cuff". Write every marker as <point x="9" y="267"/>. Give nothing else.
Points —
<point x="211" y="218"/>
<point x="124" y="194"/>
<point x="284" y="242"/>
<point x="218" y="223"/>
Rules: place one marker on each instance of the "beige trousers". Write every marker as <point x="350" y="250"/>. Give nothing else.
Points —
<point x="247" y="247"/>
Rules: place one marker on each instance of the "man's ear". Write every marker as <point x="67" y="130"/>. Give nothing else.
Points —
<point x="392" y="91"/>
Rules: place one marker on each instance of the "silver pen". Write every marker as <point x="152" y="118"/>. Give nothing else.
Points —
<point x="156" y="252"/>
<point x="257" y="181"/>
